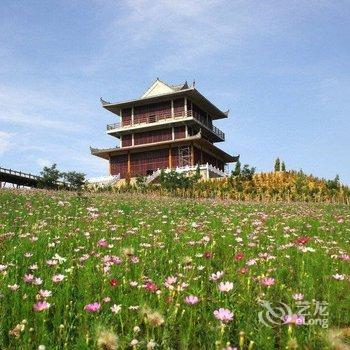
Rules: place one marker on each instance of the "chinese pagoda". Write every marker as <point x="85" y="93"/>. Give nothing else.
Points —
<point x="168" y="127"/>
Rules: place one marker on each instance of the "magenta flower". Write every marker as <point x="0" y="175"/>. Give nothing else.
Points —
<point x="102" y="243"/>
<point x="41" y="306"/>
<point x="223" y="315"/>
<point x="294" y="319"/>
<point x="94" y="307"/>
<point x="191" y="300"/>
<point x="268" y="281"/>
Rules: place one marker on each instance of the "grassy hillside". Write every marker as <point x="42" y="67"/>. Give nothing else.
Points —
<point x="89" y="272"/>
<point x="288" y="186"/>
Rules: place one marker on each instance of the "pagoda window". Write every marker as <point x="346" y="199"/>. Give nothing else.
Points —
<point x="179" y="132"/>
<point x="126" y="116"/>
<point x="152" y="136"/>
<point x="179" y="107"/>
<point x="126" y="140"/>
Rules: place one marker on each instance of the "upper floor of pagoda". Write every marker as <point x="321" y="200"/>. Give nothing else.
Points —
<point x="163" y="106"/>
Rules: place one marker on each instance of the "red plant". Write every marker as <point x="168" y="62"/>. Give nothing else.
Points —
<point x="150" y="286"/>
<point x="239" y="256"/>
<point x="113" y="282"/>
<point x="302" y="240"/>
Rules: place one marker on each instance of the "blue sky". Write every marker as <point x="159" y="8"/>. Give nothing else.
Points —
<point x="281" y="67"/>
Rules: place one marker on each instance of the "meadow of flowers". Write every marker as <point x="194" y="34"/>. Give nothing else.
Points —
<point x="107" y="271"/>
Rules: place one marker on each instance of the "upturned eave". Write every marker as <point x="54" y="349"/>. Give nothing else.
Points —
<point x="190" y="92"/>
<point x="197" y="140"/>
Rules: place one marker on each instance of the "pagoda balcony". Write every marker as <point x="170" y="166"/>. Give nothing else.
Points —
<point x="158" y="121"/>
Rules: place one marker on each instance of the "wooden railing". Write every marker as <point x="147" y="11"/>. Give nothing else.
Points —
<point x="26" y="176"/>
<point x="150" y="119"/>
<point x="19" y="173"/>
<point x="187" y="168"/>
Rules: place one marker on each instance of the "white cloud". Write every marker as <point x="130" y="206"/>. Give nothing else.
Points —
<point x="182" y="34"/>
<point x="38" y="109"/>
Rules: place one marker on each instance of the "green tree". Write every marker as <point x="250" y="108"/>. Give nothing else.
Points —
<point x="141" y="182"/>
<point x="247" y="172"/>
<point x="277" y="165"/>
<point x="49" y="177"/>
<point x="173" y="180"/>
<point x="237" y="170"/>
<point x="74" y="179"/>
<point x="333" y="184"/>
<point x="283" y="166"/>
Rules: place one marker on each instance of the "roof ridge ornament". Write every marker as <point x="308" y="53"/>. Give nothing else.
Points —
<point x="104" y="102"/>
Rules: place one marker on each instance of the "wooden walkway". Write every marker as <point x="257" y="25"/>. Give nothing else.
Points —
<point x="17" y="178"/>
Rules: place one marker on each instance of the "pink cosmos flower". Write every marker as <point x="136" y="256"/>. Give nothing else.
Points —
<point x="37" y="281"/>
<point x="268" y="281"/>
<point x="134" y="259"/>
<point x="13" y="287"/>
<point x="294" y="319"/>
<point x="191" y="300"/>
<point x="115" y="308"/>
<point x="41" y="306"/>
<point x="94" y="307"/>
<point x="102" y="243"/>
<point x="216" y="276"/>
<point x="52" y="262"/>
<point x="28" y="278"/>
<point x="170" y="280"/>
<point x="58" y="278"/>
<point x="115" y="260"/>
<point x="338" y="277"/>
<point x="45" y="293"/>
<point x="152" y="287"/>
<point x="251" y="262"/>
<point x="225" y="286"/>
<point x="223" y="315"/>
<point x="298" y="296"/>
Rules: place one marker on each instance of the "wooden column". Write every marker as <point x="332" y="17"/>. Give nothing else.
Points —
<point x="129" y="164"/>
<point x="170" y="158"/>
<point x="201" y="155"/>
<point x="110" y="165"/>
<point x="172" y="109"/>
